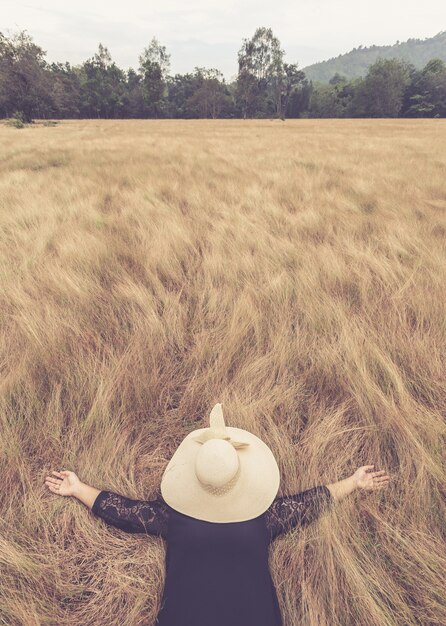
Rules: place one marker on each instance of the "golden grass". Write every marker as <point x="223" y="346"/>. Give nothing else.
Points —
<point x="295" y="272"/>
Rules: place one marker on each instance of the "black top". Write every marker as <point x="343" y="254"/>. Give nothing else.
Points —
<point x="217" y="574"/>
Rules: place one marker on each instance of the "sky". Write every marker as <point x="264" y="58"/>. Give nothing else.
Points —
<point x="208" y="33"/>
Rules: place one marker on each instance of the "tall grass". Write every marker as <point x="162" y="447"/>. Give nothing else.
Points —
<point x="295" y="272"/>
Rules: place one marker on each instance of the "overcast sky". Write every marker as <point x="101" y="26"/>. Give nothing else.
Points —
<point x="209" y="33"/>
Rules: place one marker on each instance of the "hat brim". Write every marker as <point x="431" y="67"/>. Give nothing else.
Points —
<point x="254" y="491"/>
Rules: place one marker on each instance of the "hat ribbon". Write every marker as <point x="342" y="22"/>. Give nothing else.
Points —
<point x="217" y="429"/>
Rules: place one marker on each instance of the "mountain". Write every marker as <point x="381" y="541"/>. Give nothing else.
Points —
<point x="356" y="62"/>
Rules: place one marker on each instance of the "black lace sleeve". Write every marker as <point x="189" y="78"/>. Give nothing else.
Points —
<point x="132" y="516"/>
<point x="300" y="509"/>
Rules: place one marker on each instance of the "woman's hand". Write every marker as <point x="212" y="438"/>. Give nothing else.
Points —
<point x="66" y="483"/>
<point x="369" y="481"/>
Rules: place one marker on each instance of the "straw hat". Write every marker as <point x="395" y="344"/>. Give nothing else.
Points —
<point x="221" y="474"/>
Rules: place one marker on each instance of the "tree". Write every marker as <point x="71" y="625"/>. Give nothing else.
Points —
<point x="156" y="53"/>
<point x="154" y="67"/>
<point x="325" y="101"/>
<point x="247" y="93"/>
<point x="180" y="89"/>
<point x="210" y="96"/>
<point x="260" y="61"/>
<point x="134" y="102"/>
<point x="102" y="86"/>
<point x="381" y="93"/>
<point x="299" y="101"/>
<point x="65" y="90"/>
<point x="24" y="79"/>
<point x="426" y="95"/>
<point x="294" y="83"/>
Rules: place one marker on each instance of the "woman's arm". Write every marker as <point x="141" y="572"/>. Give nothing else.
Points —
<point x="67" y="483"/>
<point x="132" y="516"/>
<point x="298" y="509"/>
<point x="342" y="488"/>
<point x="86" y="494"/>
<point x="361" y="479"/>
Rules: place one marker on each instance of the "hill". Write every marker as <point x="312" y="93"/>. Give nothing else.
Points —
<point x="356" y="62"/>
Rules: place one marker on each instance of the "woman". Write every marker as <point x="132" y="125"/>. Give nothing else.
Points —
<point x="218" y="512"/>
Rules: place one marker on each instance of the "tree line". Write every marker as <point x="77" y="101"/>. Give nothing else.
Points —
<point x="265" y="87"/>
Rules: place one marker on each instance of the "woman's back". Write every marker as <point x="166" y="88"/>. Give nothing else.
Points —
<point x="217" y="574"/>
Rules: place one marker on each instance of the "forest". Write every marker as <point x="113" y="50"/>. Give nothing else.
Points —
<point x="266" y="86"/>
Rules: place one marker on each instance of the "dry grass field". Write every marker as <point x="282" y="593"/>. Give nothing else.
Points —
<point x="293" y="271"/>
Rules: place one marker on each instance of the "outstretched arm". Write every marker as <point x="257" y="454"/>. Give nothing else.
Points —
<point x="361" y="479"/>
<point x="132" y="516"/>
<point x="66" y="483"/>
<point x="86" y="494"/>
<point x="301" y="509"/>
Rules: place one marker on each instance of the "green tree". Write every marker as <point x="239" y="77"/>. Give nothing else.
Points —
<point x="247" y="93"/>
<point x="102" y="86"/>
<point x="24" y="80"/>
<point x="65" y="90"/>
<point x="294" y="86"/>
<point x="299" y="101"/>
<point x="325" y="101"/>
<point x="426" y="95"/>
<point x="381" y="93"/>
<point x="260" y="74"/>
<point x="180" y="89"/>
<point x="156" y="53"/>
<point x="133" y="99"/>
<point x="210" y="97"/>
<point x="154" y="68"/>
